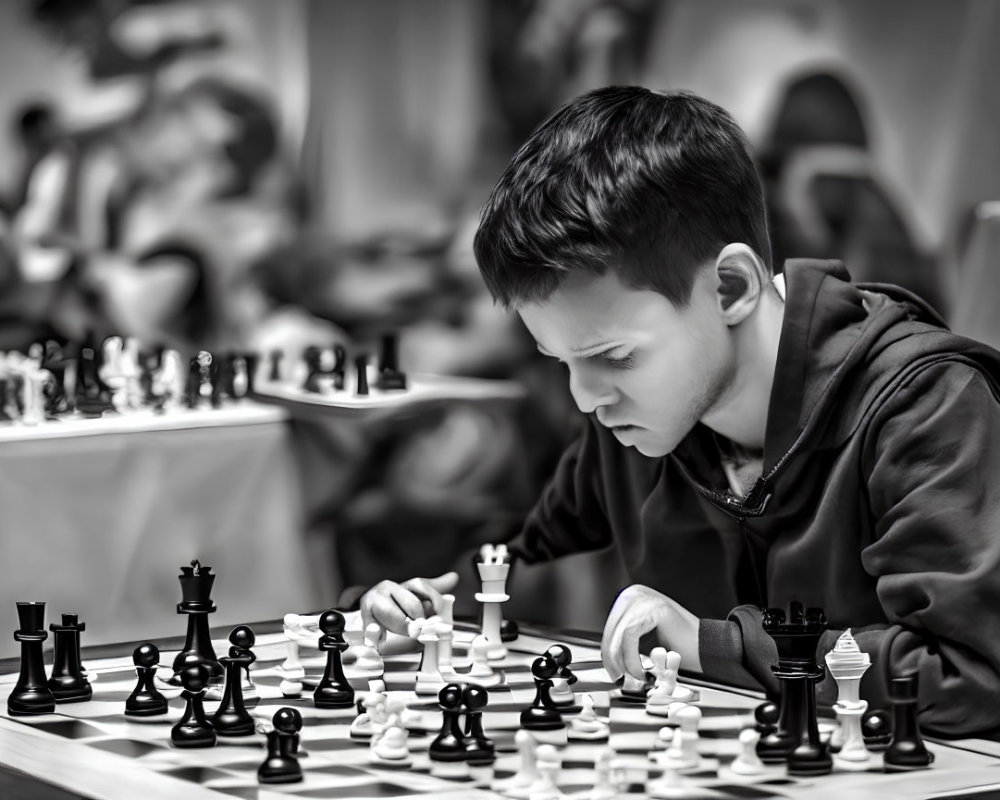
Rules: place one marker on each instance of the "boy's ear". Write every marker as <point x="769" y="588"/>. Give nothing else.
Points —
<point x="742" y="275"/>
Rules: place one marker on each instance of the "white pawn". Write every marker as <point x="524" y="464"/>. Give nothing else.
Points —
<point x="748" y="763"/>
<point x="361" y="727"/>
<point x="428" y="680"/>
<point x="481" y="670"/>
<point x="683" y="751"/>
<point x="670" y="786"/>
<point x="445" y="636"/>
<point x="519" y="785"/>
<point x="292" y="671"/>
<point x="604" y="787"/>
<point x="368" y="661"/>
<point x="390" y="747"/>
<point x="549" y="764"/>
<point x="587" y="725"/>
<point x="666" y="665"/>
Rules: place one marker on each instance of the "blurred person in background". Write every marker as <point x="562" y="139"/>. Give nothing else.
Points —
<point x="157" y="207"/>
<point x="828" y="196"/>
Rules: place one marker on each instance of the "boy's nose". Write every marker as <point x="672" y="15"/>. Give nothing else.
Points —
<point x="589" y="392"/>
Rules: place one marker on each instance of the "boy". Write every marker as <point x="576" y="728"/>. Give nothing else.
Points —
<point x="752" y="439"/>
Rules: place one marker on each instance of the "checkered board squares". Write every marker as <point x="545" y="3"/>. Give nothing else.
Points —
<point x="335" y="766"/>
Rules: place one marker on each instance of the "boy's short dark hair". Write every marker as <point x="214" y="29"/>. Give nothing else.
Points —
<point x="648" y="184"/>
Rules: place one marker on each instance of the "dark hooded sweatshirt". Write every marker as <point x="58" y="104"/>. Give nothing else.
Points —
<point x="879" y="502"/>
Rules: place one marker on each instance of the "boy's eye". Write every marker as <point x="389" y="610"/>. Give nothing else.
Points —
<point x="622" y="362"/>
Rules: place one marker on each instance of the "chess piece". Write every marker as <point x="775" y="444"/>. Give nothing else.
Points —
<point x="333" y="691"/>
<point x="493" y="570"/>
<point x="389" y="376"/>
<point x="479" y="749"/>
<point x="480" y="670"/>
<point x="604" y="786"/>
<point x="587" y="725"/>
<point x="766" y="718"/>
<point x="682" y="755"/>
<point x="361" y="368"/>
<point x="796" y="738"/>
<point x="446" y="633"/>
<point x="31" y="693"/>
<point x="747" y="763"/>
<point x="876" y="729"/>
<point x="68" y="682"/>
<point x="666" y="690"/>
<point x="281" y="764"/>
<point x="93" y="398"/>
<point x="274" y="359"/>
<point x="368" y="662"/>
<point x="363" y="726"/>
<point x="447" y="751"/>
<point x="428" y="679"/>
<point x="193" y="729"/>
<point x="519" y="784"/>
<point x="196" y="588"/>
<point x="232" y="717"/>
<point x="390" y="748"/>
<point x="847" y="664"/>
<point x="906" y="751"/>
<point x="563" y="680"/>
<point x="145" y="700"/>
<point x="542" y="715"/>
<point x="548" y="764"/>
<point x="291" y="668"/>
<point x="199" y="383"/>
<point x="634" y="690"/>
<point x="449" y="744"/>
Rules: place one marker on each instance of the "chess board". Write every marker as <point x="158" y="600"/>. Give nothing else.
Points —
<point x="92" y="749"/>
<point x="419" y="388"/>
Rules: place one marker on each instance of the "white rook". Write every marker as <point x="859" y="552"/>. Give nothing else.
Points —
<point x="493" y="571"/>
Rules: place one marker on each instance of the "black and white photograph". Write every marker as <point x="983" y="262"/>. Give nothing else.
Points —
<point x="483" y="399"/>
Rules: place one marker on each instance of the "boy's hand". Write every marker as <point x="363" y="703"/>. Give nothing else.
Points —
<point x="638" y="611"/>
<point x="394" y="605"/>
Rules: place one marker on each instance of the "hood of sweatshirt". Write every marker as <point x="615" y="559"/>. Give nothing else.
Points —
<point x="831" y="328"/>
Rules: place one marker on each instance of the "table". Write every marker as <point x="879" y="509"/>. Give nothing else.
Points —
<point x="90" y="749"/>
<point x="98" y="515"/>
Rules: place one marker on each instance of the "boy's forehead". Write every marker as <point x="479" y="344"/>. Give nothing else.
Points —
<point x="585" y="310"/>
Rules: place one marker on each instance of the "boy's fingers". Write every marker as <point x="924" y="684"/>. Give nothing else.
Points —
<point x="388" y="614"/>
<point x="425" y="590"/>
<point x="408" y="601"/>
<point x="629" y="652"/>
<point x="444" y="583"/>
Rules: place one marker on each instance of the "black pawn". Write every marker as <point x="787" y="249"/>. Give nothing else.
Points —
<point x="563" y="657"/>
<point x="876" y="728"/>
<point x="508" y="630"/>
<point x="543" y="714"/>
<point x="281" y="764"/>
<point x="339" y="366"/>
<point x="907" y="750"/>
<point x="31" y="693"/>
<point x="333" y="691"/>
<point x="232" y="718"/>
<point x="479" y="749"/>
<point x="766" y="717"/>
<point x="193" y="729"/>
<point x="361" y="367"/>
<point x="145" y="700"/>
<point x="68" y="683"/>
<point x="449" y="744"/>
